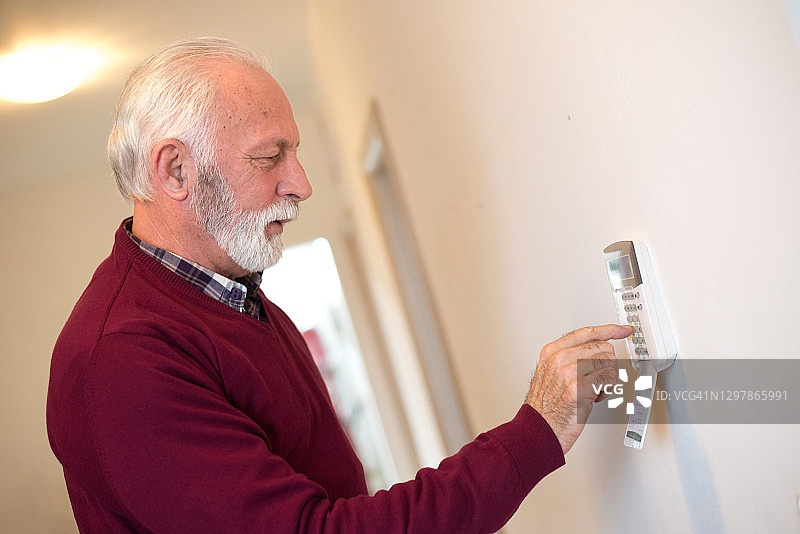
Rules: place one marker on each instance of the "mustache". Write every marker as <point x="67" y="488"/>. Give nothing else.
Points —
<point x="283" y="210"/>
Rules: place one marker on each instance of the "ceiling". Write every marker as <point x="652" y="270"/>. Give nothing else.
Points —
<point x="50" y="141"/>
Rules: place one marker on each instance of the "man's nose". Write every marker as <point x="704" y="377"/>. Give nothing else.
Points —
<point x="295" y="184"/>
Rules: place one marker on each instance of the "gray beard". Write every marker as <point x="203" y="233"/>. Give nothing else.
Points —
<point x="241" y="234"/>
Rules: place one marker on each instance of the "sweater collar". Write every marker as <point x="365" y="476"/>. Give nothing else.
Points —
<point x="240" y="294"/>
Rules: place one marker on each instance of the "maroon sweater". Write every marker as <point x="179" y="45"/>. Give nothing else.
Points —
<point x="171" y="412"/>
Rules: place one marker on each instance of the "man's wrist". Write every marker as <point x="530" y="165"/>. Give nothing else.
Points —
<point x="532" y="444"/>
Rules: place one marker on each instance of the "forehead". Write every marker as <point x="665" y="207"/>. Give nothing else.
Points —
<point x="251" y="107"/>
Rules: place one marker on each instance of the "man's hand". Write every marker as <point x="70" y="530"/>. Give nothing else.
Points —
<point x="560" y="391"/>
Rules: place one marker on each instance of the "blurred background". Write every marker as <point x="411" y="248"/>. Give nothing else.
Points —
<point x="469" y="162"/>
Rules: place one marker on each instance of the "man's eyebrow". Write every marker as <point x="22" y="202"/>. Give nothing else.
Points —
<point x="279" y="142"/>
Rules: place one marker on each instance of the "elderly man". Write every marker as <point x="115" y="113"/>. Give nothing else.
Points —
<point x="182" y="400"/>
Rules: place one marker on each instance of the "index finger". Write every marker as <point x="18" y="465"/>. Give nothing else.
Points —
<point x="592" y="333"/>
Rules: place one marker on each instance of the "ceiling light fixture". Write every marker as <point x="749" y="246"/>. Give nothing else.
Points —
<point x="40" y="73"/>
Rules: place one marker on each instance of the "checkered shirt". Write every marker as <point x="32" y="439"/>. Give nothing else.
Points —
<point x="240" y="294"/>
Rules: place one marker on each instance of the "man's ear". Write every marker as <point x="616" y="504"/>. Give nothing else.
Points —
<point x="169" y="164"/>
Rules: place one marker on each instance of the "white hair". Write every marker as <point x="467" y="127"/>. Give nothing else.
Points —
<point x="169" y="95"/>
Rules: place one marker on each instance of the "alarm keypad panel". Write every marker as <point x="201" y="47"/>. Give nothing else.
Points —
<point x="651" y="348"/>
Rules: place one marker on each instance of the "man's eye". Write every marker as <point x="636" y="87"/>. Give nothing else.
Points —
<point x="267" y="161"/>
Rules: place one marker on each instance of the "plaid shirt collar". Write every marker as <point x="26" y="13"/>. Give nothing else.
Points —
<point x="240" y="294"/>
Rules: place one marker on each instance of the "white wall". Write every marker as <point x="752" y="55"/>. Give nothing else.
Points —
<point x="529" y="135"/>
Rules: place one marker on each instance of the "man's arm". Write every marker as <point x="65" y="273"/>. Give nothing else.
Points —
<point x="177" y="456"/>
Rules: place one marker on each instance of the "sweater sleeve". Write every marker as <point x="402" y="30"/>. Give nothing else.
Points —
<point x="176" y="456"/>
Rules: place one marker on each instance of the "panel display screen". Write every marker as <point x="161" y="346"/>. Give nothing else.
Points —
<point x="620" y="268"/>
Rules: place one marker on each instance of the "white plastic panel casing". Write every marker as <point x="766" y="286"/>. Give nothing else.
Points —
<point x="638" y="301"/>
<point x="651" y="347"/>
